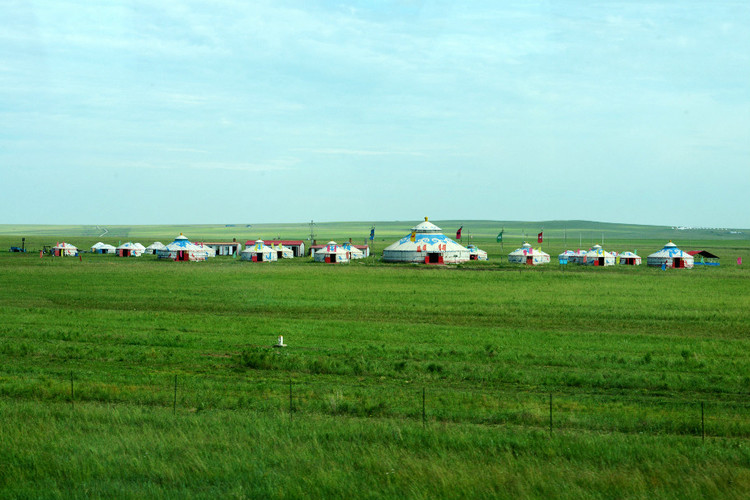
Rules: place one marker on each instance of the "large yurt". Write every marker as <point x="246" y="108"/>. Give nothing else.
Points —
<point x="259" y="252"/>
<point x="630" y="259"/>
<point x="100" y="247"/>
<point x="528" y="255"/>
<point x="597" y="256"/>
<point x="154" y="247"/>
<point x="63" y="249"/>
<point x="428" y="245"/>
<point x="475" y="253"/>
<point x="332" y="253"/>
<point x="672" y="257"/>
<point x="354" y="252"/>
<point x="129" y="249"/>
<point x="182" y="250"/>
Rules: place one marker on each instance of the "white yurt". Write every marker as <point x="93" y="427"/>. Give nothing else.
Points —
<point x="566" y="257"/>
<point x="672" y="257"/>
<point x="182" y="250"/>
<point x="154" y="247"/>
<point x="577" y="257"/>
<point x="210" y="252"/>
<point x="597" y="256"/>
<point x="63" y="249"/>
<point x="630" y="259"/>
<point x="475" y="253"/>
<point x="140" y="247"/>
<point x="354" y="252"/>
<point x="332" y="253"/>
<point x="282" y="252"/>
<point x="426" y="245"/>
<point x="259" y="252"/>
<point x="100" y="247"/>
<point x="528" y="255"/>
<point x="128" y="249"/>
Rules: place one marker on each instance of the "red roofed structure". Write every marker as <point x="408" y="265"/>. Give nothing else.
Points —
<point x="297" y="246"/>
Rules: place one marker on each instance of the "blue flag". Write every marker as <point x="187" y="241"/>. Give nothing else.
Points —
<point x="372" y="234"/>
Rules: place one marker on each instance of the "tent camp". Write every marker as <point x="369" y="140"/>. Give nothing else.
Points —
<point x="63" y="249"/>
<point x="704" y="258"/>
<point x="129" y="249"/>
<point x="630" y="259"/>
<point x="476" y="254"/>
<point x="100" y="247"/>
<point x="259" y="252"/>
<point x="154" y="247"/>
<point x="671" y="256"/>
<point x="597" y="256"/>
<point x="182" y="250"/>
<point x="426" y="245"/>
<point x="332" y="253"/>
<point x="528" y="255"/>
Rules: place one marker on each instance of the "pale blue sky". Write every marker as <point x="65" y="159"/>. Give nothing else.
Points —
<point x="281" y="111"/>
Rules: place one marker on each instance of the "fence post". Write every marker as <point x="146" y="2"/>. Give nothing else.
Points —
<point x="703" y="426"/>
<point x="174" y="401"/>
<point x="550" y="413"/>
<point x="424" y="419"/>
<point x="290" y="400"/>
<point x="72" y="394"/>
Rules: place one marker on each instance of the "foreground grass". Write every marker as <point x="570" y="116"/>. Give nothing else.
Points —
<point x="629" y="355"/>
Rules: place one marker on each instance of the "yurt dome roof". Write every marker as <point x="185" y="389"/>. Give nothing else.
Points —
<point x="426" y="227"/>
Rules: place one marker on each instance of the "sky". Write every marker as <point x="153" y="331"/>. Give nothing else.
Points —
<point x="188" y="112"/>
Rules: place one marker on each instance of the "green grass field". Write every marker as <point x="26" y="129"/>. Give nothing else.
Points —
<point x="628" y="356"/>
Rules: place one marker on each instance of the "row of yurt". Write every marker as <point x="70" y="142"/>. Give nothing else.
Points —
<point x="426" y="244"/>
<point x="528" y="255"/>
<point x="103" y="248"/>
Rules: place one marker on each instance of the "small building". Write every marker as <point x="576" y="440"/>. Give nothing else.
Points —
<point x="154" y="247"/>
<point x="103" y="248"/>
<point x="704" y="258"/>
<point x="475" y="253"/>
<point x="297" y="246"/>
<point x="259" y="252"/>
<point x="63" y="249"/>
<point x="597" y="256"/>
<point x="354" y="251"/>
<point x="528" y="255"/>
<point x="129" y="249"/>
<point x="283" y="252"/>
<point x="182" y="250"/>
<point x="222" y="248"/>
<point x="426" y="244"/>
<point x="630" y="259"/>
<point x="332" y="253"/>
<point x="671" y="256"/>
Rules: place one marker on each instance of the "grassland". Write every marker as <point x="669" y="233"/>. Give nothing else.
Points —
<point x="628" y="356"/>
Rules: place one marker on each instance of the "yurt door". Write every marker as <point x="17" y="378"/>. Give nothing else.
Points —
<point x="601" y="261"/>
<point x="530" y="261"/>
<point x="678" y="263"/>
<point x="433" y="258"/>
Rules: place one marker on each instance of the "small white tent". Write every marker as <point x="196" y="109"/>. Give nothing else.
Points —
<point x="259" y="252"/>
<point x="597" y="256"/>
<point x="354" y="252"/>
<point x="128" y="249"/>
<point x="182" y="250"/>
<point x="475" y="253"/>
<point x="671" y="256"/>
<point x="154" y="247"/>
<point x="63" y="249"/>
<point x="100" y="247"/>
<point x="426" y="245"/>
<point x="528" y="255"/>
<point x="630" y="259"/>
<point x="282" y="252"/>
<point x="332" y="253"/>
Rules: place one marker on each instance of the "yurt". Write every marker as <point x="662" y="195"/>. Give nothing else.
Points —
<point x="476" y="254"/>
<point x="259" y="252"/>
<point x="426" y="244"/>
<point x="140" y="247"/>
<point x="528" y="255"/>
<point x="154" y="247"/>
<point x="63" y="249"/>
<point x="182" y="250"/>
<point x="566" y="256"/>
<point x="282" y="252"/>
<point x="210" y="251"/>
<point x="672" y="257"/>
<point x="128" y="249"/>
<point x="577" y="257"/>
<point x="630" y="259"/>
<point x="354" y="252"/>
<point x="597" y="256"/>
<point x="100" y="247"/>
<point x="332" y="253"/>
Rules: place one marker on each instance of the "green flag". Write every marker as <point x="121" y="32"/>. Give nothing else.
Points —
<point x="500" y="236"/>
